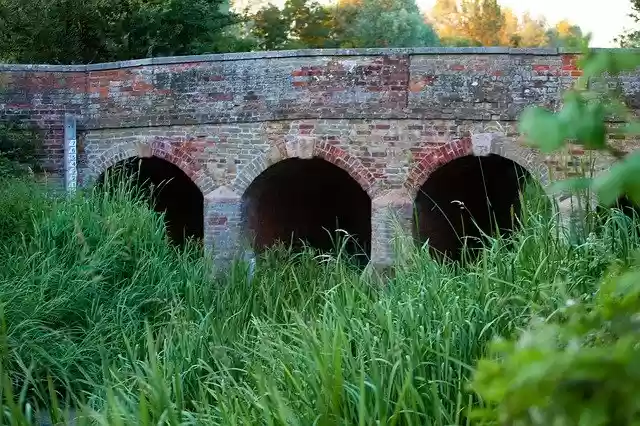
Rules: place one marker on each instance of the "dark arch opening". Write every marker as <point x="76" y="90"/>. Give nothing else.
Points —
<point x="465" y="198"/>
<point x="304" y="201"/>
<point x="608" y="218"/>
<point x="168" y="189"/>
<point x="622" y="204"/>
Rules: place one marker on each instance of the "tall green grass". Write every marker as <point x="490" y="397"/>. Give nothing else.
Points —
<point x="101" y="313"/>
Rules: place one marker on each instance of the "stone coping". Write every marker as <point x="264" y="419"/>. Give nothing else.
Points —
<point x="244" y="56"/>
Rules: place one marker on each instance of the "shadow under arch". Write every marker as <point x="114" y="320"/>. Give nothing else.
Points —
<point x="467" y="198"/>
<point x="622" y="218"/>
<point x="168" y="189"/>
<point x="300" y="202"/>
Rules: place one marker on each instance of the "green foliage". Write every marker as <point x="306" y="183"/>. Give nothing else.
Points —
<point x="299" y="24"/>
<point x="85" y="31"/>
<point x="631" y="39"/>
<point x="368" y="23"/>
<point x="580" y="365"/>
<point x="582" y="120"/>
<point x="97" y="308"/>
<point x="20" y="148"/>
<point x="391" y="23"/>
<point x="482" y="21"/>
<point x="568" y="37"/>
<point x="22" y="200"/>
<point x="68" y="269"/>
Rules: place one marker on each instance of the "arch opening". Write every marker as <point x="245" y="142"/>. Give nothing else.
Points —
<point x="465" y="199"/>
<point x="312" y="202"/>
<point x="167" y="189"/>
<point x="621" y="217"/>
<point x="623" y="204"/>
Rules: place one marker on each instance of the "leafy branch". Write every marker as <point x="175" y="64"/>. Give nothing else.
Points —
<point x="583" y="120"/>
<point x="581" y="365"/>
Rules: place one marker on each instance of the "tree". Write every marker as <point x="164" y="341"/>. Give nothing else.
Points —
<point x="85" y="31"/>
<point x="486" y="23"/>
<point x="271" y="28"/>
<point x="390" y="23"/>
<point x="350" y="23"/>
<point x="446" y="19"/>
<point x="248" y="6"/>
<point x="566" y="35"/>
<point x="311" y="24"/>
<point x="299" y="24"/>
<point x="344" y="16"/>
<point x="482" y="21"/>
<point x="510" y="31"/>
<point x="533" y="32"/>
<point x="631" y="38"/>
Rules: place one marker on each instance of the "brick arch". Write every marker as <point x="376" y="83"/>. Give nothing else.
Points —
<point x="176" y="154"/>
<point x="479" y="144"/>
<point x="428" y="163"/>
<point x="306" y="148"/>
<point x="528" y="158"/>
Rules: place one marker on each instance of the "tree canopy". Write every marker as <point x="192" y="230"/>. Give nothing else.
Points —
<point x="632" y="38"/>
<point x="349" y="24"/>
<point x="84" y="31"/>
<point x="487" y="23"/>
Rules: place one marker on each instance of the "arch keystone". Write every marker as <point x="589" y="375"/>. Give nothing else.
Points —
<point x="144" y="150"/>
<point x="483" y="144"/>
<point x="273" y="156"/>
<point x="301" y="147"/>
<point x="305" y="147"/>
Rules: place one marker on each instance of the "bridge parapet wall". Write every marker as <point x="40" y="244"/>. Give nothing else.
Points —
<point x="477" y="84"/>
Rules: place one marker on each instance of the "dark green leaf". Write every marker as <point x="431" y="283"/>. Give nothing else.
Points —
<point x="621" y="180"/>
<point x="591" y="129"/>
<point x="570" y="185"/>
<point x="542" y="128"/>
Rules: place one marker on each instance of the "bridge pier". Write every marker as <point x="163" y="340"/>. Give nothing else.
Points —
<point x="222" y="225"/>
<point x="390" y="227"/>
<point x="391" y="215"/>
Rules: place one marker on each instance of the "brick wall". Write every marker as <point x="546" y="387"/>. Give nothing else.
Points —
<point x="441" y="88"/>
<point x="389" y="116"/>
<point x="40" y="97"/>
<point x="433" y="86"/>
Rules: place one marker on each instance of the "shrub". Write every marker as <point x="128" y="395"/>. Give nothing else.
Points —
<point x="19" y="149"/>
<point x="122" y="325"/>
<point x="579" y="365"/>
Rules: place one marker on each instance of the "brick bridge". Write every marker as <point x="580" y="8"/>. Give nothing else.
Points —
<point x="260" y="145"/>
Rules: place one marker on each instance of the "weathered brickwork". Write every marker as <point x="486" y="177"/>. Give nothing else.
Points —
<point x="389" y="117"/>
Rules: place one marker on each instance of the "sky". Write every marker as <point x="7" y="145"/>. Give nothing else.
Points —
<point x="603" y="19"/>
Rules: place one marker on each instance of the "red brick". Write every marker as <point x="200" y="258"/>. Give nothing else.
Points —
<point x="541" y="68"/>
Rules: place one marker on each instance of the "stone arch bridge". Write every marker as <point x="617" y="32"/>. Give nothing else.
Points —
<point x="266" y="144"/>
